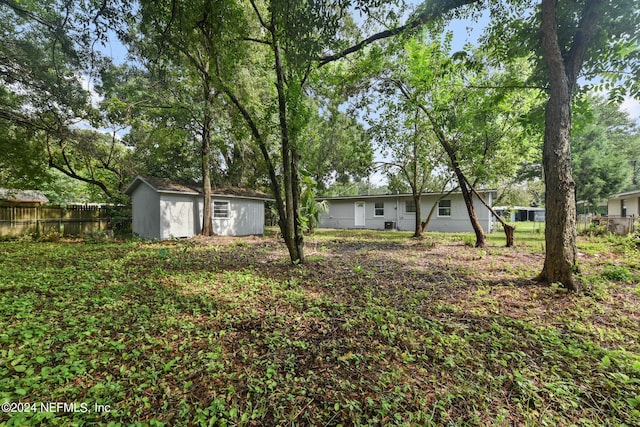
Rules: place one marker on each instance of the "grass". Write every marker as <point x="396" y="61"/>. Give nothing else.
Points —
<point x="376" y="328"/>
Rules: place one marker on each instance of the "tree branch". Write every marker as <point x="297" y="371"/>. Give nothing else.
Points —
<point x="431" y="10"/>
<point x="590" y="16"/>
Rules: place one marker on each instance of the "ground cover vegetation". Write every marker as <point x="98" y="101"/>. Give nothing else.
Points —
<point x="244" y="92"/>
<point x="375" y="329"/>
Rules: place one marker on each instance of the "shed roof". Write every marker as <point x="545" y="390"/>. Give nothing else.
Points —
<point x="162" y="185"/>
<point x="22" y="196"/>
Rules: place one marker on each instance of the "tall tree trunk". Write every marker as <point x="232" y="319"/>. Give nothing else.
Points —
<point x="290" y="226"/>
<point x="560" y="231"/>
<point x="418" y="229"/>
<point x="207" y="225"/>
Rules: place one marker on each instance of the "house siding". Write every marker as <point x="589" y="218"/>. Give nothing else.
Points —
<point x="341" y="214"/>
<point x="145" y="212"/>
<point x="246" y="217"/>
<point x="632" y="203"/>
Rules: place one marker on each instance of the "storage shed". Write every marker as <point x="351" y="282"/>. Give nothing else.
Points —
<point x="163" y="209"/>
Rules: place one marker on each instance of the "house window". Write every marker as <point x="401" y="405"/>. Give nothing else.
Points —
<point x="444" y="208"/>
<point x="623" y="208"/>
<point x="379" y="209"/>
<point x="220" y="209"/>
<point x="410" y="206"/>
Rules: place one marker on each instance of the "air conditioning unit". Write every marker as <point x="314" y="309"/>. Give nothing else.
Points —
<point x="389" y="225"/>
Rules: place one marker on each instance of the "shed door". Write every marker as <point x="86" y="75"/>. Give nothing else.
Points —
<point x="360" y="214"/>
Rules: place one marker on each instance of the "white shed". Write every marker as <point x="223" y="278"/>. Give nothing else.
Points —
<point x="162" y="209"/>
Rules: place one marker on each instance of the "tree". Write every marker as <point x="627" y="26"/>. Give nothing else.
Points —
<point x="604" y="146"/>
<point x="186" y="41"/>
<point x="564" y="52"/>
<point x="337" y="148"/>
<point x="403" y="134"/>
<point x="300" y="37"/>
<point x="578" y="39"/>
<point x="47" y="63"/>
<point x="467" y="110"/>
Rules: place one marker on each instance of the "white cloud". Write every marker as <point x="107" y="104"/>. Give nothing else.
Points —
<point x="632" y="106"/>
<point x="88" y="85"/>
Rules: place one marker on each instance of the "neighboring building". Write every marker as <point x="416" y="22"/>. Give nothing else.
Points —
<point x="521" y="213"/>
<point x="9" y="197"/>
<point x="625" y="204"/>
<point x="623" y="212"/>
<point x="162" y="209"/>
<point x="398" y="212"/>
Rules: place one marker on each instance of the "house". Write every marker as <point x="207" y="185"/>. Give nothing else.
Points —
<point x="162" y="209"/>
<point x="398" y="212"/>
<point x="521" y="213"/>
<point x="22" y="198"/>
<point x="623" y="212"/>
<point x="624" y="204"/>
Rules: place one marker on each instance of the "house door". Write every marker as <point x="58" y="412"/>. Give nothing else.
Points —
<point x="360" y="214"/>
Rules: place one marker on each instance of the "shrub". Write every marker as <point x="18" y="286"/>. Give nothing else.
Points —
<point x="617" y="273"/>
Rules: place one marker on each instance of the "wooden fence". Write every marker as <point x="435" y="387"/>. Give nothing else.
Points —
<point x="42" y="220"/>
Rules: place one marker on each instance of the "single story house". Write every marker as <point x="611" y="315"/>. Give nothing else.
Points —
<point x="398" y="212"/>
<point x="625" y="204"/>
<point x="521" y="213"/>
<point x="162" y="209"/>
<point x="22" y="198"/>
<point x="623" y="212"/>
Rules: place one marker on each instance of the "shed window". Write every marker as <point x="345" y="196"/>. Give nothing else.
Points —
<point x="410" y="206"/>
<point x="444" y="208"/>
<point x="220" y="209"/>
<point x="379" y="209"/>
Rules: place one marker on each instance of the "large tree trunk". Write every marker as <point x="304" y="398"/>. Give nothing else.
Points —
<point x="560" y="231"/>
<point x="207" y="225"/>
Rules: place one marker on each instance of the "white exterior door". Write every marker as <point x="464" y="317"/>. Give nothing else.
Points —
<point x="360" y="214"/>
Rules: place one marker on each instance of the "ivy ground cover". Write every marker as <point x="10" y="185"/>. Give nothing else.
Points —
<point x="375" y="329"/>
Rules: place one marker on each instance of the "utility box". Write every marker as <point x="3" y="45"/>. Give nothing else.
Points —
<point x="389" y="225"/>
